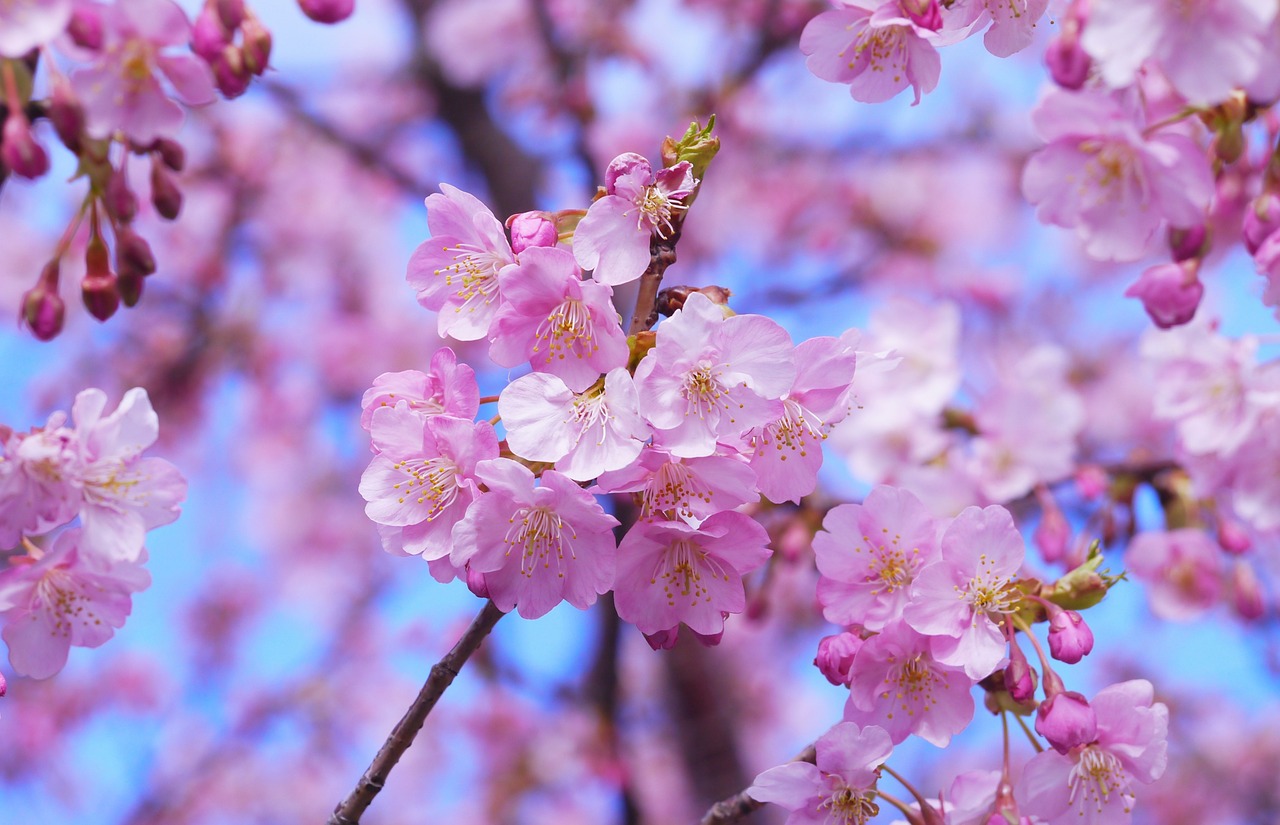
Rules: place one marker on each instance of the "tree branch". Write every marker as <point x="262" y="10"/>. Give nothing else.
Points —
<point x="349" y="811"/>
<point x="739" y="805"/>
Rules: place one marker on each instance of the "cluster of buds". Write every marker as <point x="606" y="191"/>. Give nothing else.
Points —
<point x="218" y="27"/>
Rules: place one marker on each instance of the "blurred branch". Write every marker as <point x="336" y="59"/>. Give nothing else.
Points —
<point x="349" y="811"/>
<point x="739" y="805"/>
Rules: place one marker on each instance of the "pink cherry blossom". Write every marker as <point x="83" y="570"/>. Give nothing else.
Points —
<point x="1013" y="24"/>
<point x="448" y="389"/>
<point x="897" y="684"/>
<point x="39" y="475"/>
<point x="1094" y="784"/>
<point x="557" y="322"/>
<point x="26" y="24"/>
<point x="962" y="599"/>
<point x="455" y="272"/>
<point x="1170" y="293"/>
<point x="836" y="655"/>
<point x="841" y="784"/>
<point x="1112" y="181"/>
<point x="670" y="572"/>
<point x="873" y="46"/>
<point x="64" y="597"/>
<point x="709" y="377"/>
<point x="691" y="489"/>
<point x="422" y="479"/>
<point x="583" y="434"/>
<point x="1206" y="48"/>
<point x="537" y="545"/>
<point x="868" y="554"/>
<point x="1181" y="568"/>
<point x="613" y="237"/>
<point x="120" y="91"/>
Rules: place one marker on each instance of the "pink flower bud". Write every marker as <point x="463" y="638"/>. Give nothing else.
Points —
<point x="209" y="35"/>
<point x="531" y="229"/>
<point x="476" y="584"/>
<point x="1070" y="638"/>
<point x="66" y="114"/>
<point x="1019" y="676"/>
<point x="230" y="12"/>
<point x="1261" y="220"/>
<point x="1246" y="592"/>
<point x="20" y="151"/>
<point x="1232" y="537"/>
<point x="229" y="72"/>
<point x="43" y="309"/>
<point x="257" y="45"/>
<point x="1052" y="535"/>
<point x="835" y="656"/>
<point x="1068" y="64"/>
<point x="133" y="255"/>
<point x="4" y="686"/>
<point x="1170" y="293"/>
<point x="1067" y="721"/>
<point x="1189" y="243"/>
<point x="119" y="198"/>
<point x="85" y="27"/>
<point x="165" y="195"/>
<point x="98" y="289"/>
<point x="129" y="287"/>
<point x="327" y="11"/>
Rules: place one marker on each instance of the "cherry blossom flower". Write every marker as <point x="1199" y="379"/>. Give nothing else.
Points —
<point x="422" y="479"/>
<point x="583" y="434"/>
<point x="120" y="91"/>
<point x="836" y="655"/>
<point x="26" y="24"/>
<point x="63" y="597"/>
<point x="1115" y="183"/>
<point x="709" y="377"/>
<point x="537" y="545"/>
<point x="1181" y="568"/>
<point x="868" y="555"/>
<point x="874" y="46"/>
<point x="557" y="322"/>
<point x="1093" y="784"/>
<point x="962" y="599"/>
<point x="691" y="489"/>
<point x="840" y="787"/>
<point x="1170" y="293"/>
<point x="1205" y="48"/>
<point x="455" y="271"/>
<point x="613" y="237"/>
<point x="38" y="481"/>
<point x="670" y="572"/>
<point x="897" y="684"/>
<point x="1013" y="23"/>
<point x="448" y="389"/>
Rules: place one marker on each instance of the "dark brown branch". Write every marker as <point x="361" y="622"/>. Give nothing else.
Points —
<point x="349" y="811"/>
<point x="739" y="805"/>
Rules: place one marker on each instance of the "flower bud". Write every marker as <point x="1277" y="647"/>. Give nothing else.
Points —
<point x="98" y="289"/>
<point x="133" y="254"/>
<point x="171" y="153"/>
<point x="1068" y="63"/>
<point x="1232" y="537"/>
<point x="835" y="656"/>
<point x="1070" y="638"/>
<point x="19" y="151"/>
<point x="209" y="35"/>
<point x="1189" y="243"/>
<point x="230" y="12"/>
<point x="531" y="229"/>
<point x="1052" y="534"/>
<point x="476" y="584"/>
<point x="119" y="198"/>
<point x="85" y="27"/>
<point x="257" y="45"/>
<point x="327" y="11"/>
<point x="1170" y="293"/>
<point x="66" y="114"/>
<point x="43" y="309"/>
<point x="129" y="287"/>
<point x="229" y="72"/>
<point x="165" y="195"/>
<point x="1019" y="676"/>
<point x="1246" y="592"/>
<point x="4" y="686"/>
<point x="1261" y="219"/>
<point x="1067" y="721"/>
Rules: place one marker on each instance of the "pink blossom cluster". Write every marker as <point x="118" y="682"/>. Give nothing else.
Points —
<point x="74" y="586"/>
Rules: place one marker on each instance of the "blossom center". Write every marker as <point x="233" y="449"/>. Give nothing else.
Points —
<point x="850" y="806"/>
<point x="987" y="591"/>
<point x="673" y="487"/>
<point x="430" y="479"/>
<point x="655" y="211"/>
<point x="474" y="273"/>
<point x="539" y="535"/>
<point x="795" y="431"/>
<point x="681" y="569"/>
<point x="59" y="593"/>
<point x="1096" y="777"/>
<point x="703" y="391"/>
<point x="568" y="328"/>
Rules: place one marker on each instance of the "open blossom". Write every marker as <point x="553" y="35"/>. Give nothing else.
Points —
<point x="583" y="434"/>
<point x="557" y="322"/>
<point x="670" y="572"/>
<point x="448" y="389"/>
<point x="1182" y="570"/>
<point x="868" y="554"/>
<point x="1093" y="784"/>
<point x="613" y="237"/>
<point x="712" y="378"/>
<point x="840" y="787"/>
<point x="873" y="46"/>
<point x="120" y="90"/>
<point x="1205" y="48"/>
<point x="691" y="489"/>
<point x="64" y="597"/>
<point x="26" y="24"/>
<point x="1013" y="23"/>
<point x="962" y="600"/>
<point x="1103" y="175"/>
<point x="455" y="271"/>
<point x="38" y="480"/>
<point x="896" y="683"/>
<point x="536" y="546"/>
<point x="423" y="477"/>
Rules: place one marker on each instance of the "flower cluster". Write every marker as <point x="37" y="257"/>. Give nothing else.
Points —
<point x="76" y="589"/>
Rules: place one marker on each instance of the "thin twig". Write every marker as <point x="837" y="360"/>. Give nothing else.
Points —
<point x="739" y="805"/>
<point x="349" y="811"/>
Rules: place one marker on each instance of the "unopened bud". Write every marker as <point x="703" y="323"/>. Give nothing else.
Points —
<point x="1261" y="219"/>
<point x="165" y="195"/>
<point x="1232" y="537"/>
<point x="43" y="309"/>
<point x="327" y="11"/>
<point x="133" y="255"/>
<point x="230" y="12"/>
<point x="98" y="289"/>
<point x="1019" y="676"/>
<point x="257" y="45"/>
<point x="66" y="114"/>
<point x="119" y="198"/>
<point x="1189" y="243"/>
<point x="835" y="656"/>
<point x="229" y="72"/>
<point x="1170" y="293"/>
<point x="209" y="35"/>
<point x="171" y="153"/>
<point x="476" y="584"/>
<point x="672" y="298"/>
<point x="1246" y="592"/>
<point x="19" y="150"/>
<point x="1067" y="721"/>
<point x="1068" y="63"/>
<point x="531" y="229"/>
<point x="1070" y="638"/>
<point x="129" y="287"/>
<point x="1052" y="534"/>
<point x="85" y="27"/>
<point x="698" y="146"/>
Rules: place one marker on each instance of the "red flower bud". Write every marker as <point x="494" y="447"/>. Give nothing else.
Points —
<point x="327" y="11"/>
<point x="43" y="309"/>
<point x="133" y="255"/>
<point x="98" y="289"/>
<point x="19" y="150"/>
<point x="165" y="194"/>
<point x="85" y="27"/>
<point x="119" y="198"/>
<point x="66" y="114"/>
